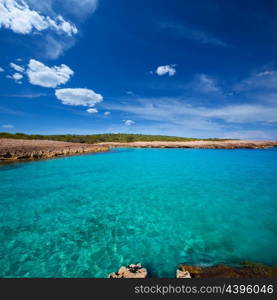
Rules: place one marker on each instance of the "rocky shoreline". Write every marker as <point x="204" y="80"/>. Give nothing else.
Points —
<point x="246" y="270"/>
<point x="21" y="150"/>
<point x="232" y="144"/>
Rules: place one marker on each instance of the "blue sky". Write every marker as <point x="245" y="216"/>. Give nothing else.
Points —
<point x="186" y="68"/>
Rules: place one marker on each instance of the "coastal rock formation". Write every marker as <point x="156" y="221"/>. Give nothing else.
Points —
<point x="247" y="270"/>
<point x="182" y="274"/>
<point x="132" y="271"/>
<point x="13" y="149"/>
<point x="232" y="144"/>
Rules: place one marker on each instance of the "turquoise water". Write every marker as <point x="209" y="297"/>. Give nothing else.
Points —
<point x="85" y="216"/>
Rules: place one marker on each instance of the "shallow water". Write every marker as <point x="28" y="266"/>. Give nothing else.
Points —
<point x="85" y="216"/>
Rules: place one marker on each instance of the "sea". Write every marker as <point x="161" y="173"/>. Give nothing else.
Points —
<point x="88" y="215"/>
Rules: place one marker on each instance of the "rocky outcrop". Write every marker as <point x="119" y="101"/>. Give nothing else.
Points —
<point x="182" y="274"/>
<point x="232" y="144"/>
<point x="247" y="270"/>
<point x="131" y="271"/>
<point x="13" y="149"/>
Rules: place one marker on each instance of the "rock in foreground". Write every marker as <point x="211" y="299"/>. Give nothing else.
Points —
<point x="247" y="270"/>
<point x="132" y="271"/>
<point x="13" y="149"/>
<point x="182" y="274"/>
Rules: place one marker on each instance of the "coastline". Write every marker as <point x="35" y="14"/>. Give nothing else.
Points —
<point x="231" y="144"/>
<point x="12" y="150"/>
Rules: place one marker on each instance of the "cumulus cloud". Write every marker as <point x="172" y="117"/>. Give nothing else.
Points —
<point x="17" y="76"/>
<point x="168" y="69"/>
<point x="129" y="122"/>
<point x="107" y="113"/>
<point x="92" y="110"/>
<point x="20" y="18"/>
<point x="7" y="126"/>
<point x="36" y="17"/>
<point x="51" y="77"/>
<point x="78" y="97"/>
<point x="17" y="67"/>
<point x="2" y="70"/>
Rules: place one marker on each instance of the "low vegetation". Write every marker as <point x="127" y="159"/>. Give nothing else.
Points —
<point x="100" y="138"/>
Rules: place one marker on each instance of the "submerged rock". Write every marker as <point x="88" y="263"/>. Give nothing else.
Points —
<point x="131" y="271"/>
<point x="182" y="274"/>
<point x="247" y="270"/>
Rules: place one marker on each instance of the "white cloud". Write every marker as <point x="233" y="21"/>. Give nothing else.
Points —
<point x="208" y="84"/>
<point x="78" y="96"/>
<point x="17" y="76"/>
<point x="248" y="134"/>
<point x="107" y="113"/>
<point x="17" y="16"/>
<point x="168" y="69"/>
<point x="7" y="126"/>
<point x="242" y="113"/>
<point x="51" y="77"/>
<point x="28" y="95"/>
<point x="179" y="112"/>
<point x="192" y="34"/>
<point x="2" y="70"/>
<point x="62" y="26"/>
<point x="46" y="16"/>
<point x="82" y="8"/>
<point x="266" y="80"/>
<point x="92" y="110"/>
<point x="204" y="85"/>
<point x="129" y="122"/>
<point x="53" y="47"/>
<point x="17" y="67"/>
<point x="265" y="73"/>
